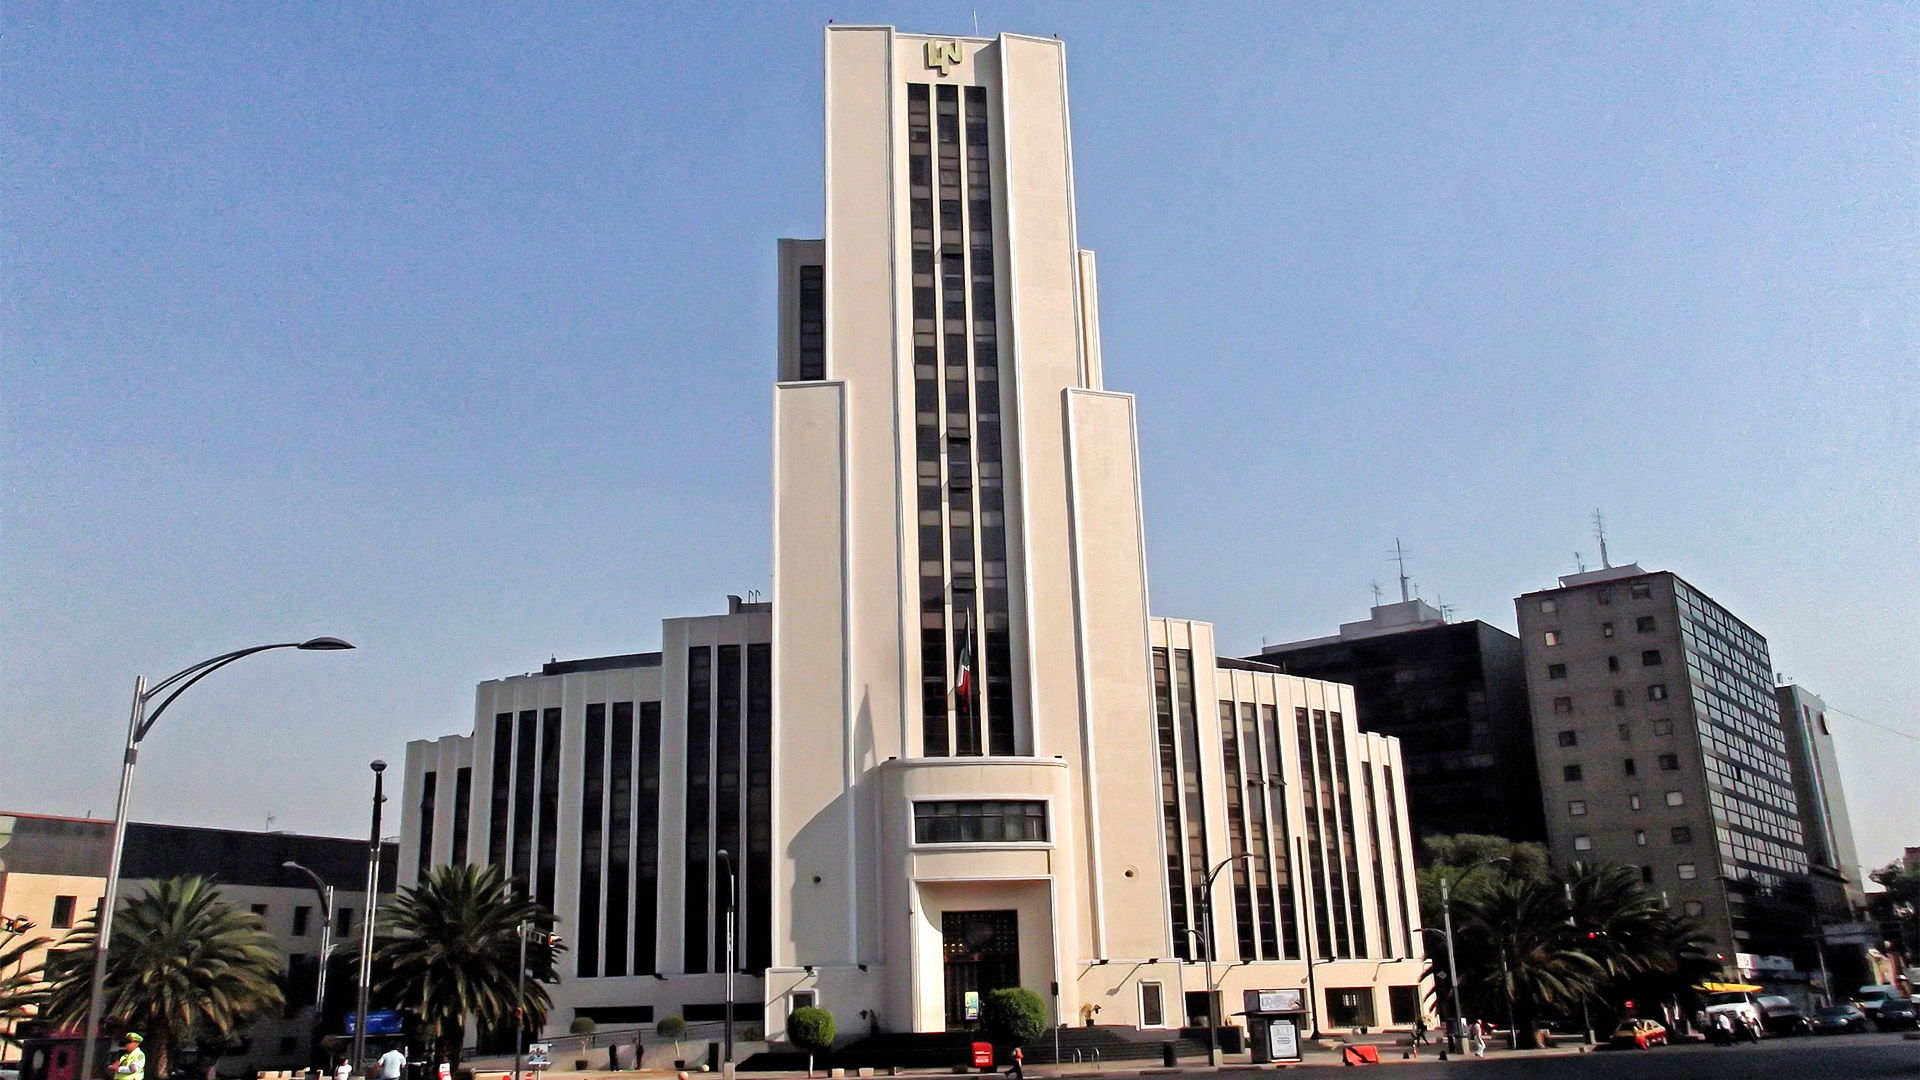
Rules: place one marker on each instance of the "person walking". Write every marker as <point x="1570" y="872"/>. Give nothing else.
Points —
<point x="393" y="1064"/>
<point x="1419" y="1030"/>
<point x="1479" y="1038"/>
<point x="132" y="1062"/>
<point x="1016" y="1071"/>
<point x="343" y="1070"/>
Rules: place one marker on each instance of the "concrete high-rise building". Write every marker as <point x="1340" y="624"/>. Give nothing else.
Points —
<point x="1661" y="746"/>
<point x="956" y="750"/>
<point x="1455" y="695"/>
<point x="1835" y="865"/>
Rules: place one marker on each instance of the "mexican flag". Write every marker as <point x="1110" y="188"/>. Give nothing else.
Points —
<point x="964" y="688"/>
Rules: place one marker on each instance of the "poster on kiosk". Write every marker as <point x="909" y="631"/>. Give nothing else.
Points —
<point x="1273" y="1019"/>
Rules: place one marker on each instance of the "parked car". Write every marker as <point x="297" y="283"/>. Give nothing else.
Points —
<point x="1780" y="1016"/>
<point x="1640" y="1032"/>
<point x="1895" y="1014"/>
<point x="1869" y="998"/>
<point x="1839" y="1020"/>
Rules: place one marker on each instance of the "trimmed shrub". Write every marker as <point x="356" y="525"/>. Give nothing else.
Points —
<point x="583" y="1025"/>
<point x="811" y="1029"/>
<point x="1014" y="1016"/>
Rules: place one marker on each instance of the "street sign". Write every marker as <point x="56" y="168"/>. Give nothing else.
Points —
<point x="973" y="1004"/>
<point x="538" y="1055"/>
<point x="379" y="1022"/>
<point x="1283" y="1041"/>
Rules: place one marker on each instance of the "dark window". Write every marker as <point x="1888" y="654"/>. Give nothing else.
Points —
<point x="1190" y="776"/>
<point x="593" y="795"/>
<point x="1643" y="624"/>
<point x="429" y="785"/>
<point x="1350" y="1007"/>
<point x="1235" y="792"/>
<point x="622" y="915"/>
<point x="979" y="822"/>
<point x="1606" y="629"/>
<point x="1167" y="743"/>
<point x="302" y="919"/>
<point x="812" y="353"/>
<point x="1629" y="767"/>
<point x="342" y="921"/>
<point x="1669" y="762"/>
<point x="1646" y="873"/>
<point x="1681" y="834"/>
<point x="1641" y="590"/>
<point x="1613" y="663"/>
<point x="1570" y="772"/>
<point x="1604" y="596"/>
<point x="1563" y="704"/>
<point x="258" y="909"/>
<point x="726" y="786"/>
<point x="758" y="889"/>
<point x="63" y="913"/>
<point x="1569" y="738"/>
<point x="1620" y="698"/>
<point x="526" y="736"/>
<point x="1153" y="1010"/>
<point x="1556" y="671"/>
<point x="1650" y="658"/>
<point x="697" y="941"/>
<point x="549" y="805"/>
<point x="462" y="809"/>
<point x="501" y="797"/>
<point x="1657" y="692"/>
<point x="1403" y="1004"/>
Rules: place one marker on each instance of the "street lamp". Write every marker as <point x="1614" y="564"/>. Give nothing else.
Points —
<point x="551" y="941"/>
<point x="1453" y="970"/>
<point x="366" y="917"/>
<point x="1206" y="943"/>
<point x="138" y="724"/>
<point x="726" y="1063"/>
<point x="326" y="948"/>
<point x="1586" y="1008"/>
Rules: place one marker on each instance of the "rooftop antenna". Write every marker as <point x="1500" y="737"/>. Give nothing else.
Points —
<point x="1579" y="563"/>
<point x="1447" y="610"/>
<point x="1376" y="594"/>
<point x="1600" y="530"/>
<point x="269" y="822"/>
<point x="1400" y="556"/>
<point x="976" y="22"/>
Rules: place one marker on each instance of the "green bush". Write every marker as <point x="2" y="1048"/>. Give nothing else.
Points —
<point x="1014" y="1016"/>
<point x="811" y="1029"/>
<point x="583" y="1025"/>
<point x="671" y="1027"/>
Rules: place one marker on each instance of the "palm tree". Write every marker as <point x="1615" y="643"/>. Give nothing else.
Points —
<point x="183" y="964"/>
<point x="1644" y="950"/>
<point x="1525" y="952"/>
<point x="450" y="947"/>
<point x="21" y="990"/>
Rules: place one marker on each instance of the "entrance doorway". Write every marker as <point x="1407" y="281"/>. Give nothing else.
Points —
<point x="981" y="950"/>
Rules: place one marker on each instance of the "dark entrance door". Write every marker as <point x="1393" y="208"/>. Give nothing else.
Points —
<point x="982" y="954"/>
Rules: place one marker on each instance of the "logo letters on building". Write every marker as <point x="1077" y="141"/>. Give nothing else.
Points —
<point x="944" y="55"/>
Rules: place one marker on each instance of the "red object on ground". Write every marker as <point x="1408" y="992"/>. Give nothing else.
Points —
<point x="1360" y="1054"/>
<point x="983" y="1055"/>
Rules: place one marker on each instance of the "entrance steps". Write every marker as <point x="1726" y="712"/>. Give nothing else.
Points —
<point x="945" y="1050"/>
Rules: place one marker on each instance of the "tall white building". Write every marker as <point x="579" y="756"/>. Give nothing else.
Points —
<point x="957" y="753"/>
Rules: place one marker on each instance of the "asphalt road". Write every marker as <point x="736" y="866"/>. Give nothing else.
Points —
<point x="1824" y="1057"/>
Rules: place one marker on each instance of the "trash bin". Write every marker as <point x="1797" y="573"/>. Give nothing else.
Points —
<point x="1233" y="1039"/>
<point x="983" y="1056"/>
<point x="1167" y="1057"/>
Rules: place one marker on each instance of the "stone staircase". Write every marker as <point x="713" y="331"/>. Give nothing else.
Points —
<point x="946" y="1050"/>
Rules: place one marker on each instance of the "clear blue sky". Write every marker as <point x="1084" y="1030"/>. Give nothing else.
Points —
<point x="449" y="329"/>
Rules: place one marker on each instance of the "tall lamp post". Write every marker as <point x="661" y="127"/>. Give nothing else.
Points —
<point x="1206" y="943"/>
<point x="366" y="922"/>
<point x="726" y="1063"/>
<point x="1453" y="970"/>
<point x="138" y="724"/>
<point x="326" y="949"/>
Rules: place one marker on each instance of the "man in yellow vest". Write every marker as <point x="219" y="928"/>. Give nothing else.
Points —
<point x="132" y="1063"/>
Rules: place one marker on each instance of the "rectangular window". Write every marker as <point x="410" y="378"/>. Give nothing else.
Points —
<point x="63" y="913"/>
<point x="1627" y="765"/>
<point x="1644" y="624"/>
<point x="1563" y="704"/>
<point x="1350" y="1006"/>
<point x="1576" y="808"/>
<point x="1650" y="658"/>
<point x="259" y="909"/>
<point x="1640" y="590"/>
<point x="1626" y="732"/>
<point x="1657" y="692"/>
<point x="1168" y="746"/>
<point x="1606" y="629"/>
<point x="1633" y="802"/>
<point x="1681" y="834"/>
<point x="1640" y="837"/>
<point x="1552" y="637"/>
<point x="429" y="788"/>
<point x="1687" y="871"/>
<point x="979" y="822"/>
<point x="526" y="747"/>
<point x="342" y="921"/>
<point x="1548" y="607"/>
<point x="646" y="834"/>
<point x="1403" y="1004"/>
<point x="1669" y="762"/>
<point x="501" y="797"/>
<point x="1583" y="843"/>
<point x="1620" y="699"/>
<point x="1663" y="727"/>
<point x="462" y="808"/>
<point x="812" y="310"/>
<point x="1603" y="595"/>
<point x="726" y="778"/>
<point x="549" y="833"/>
<point x="1613" y="663"/>
<point x="1570" y="772"/>
<point x="593" y="793"/>
<point x="1646" y="874"/>
<point x="803" y="999"/>
<point x="1556" y="671"/>
<point x="759" y="861"/>
<point x="1153" y="1009"/>
<point x="1693" y="908"/>
<point x="1675" y="798"/>
<point x="696" y="941"/>
<point x="302" y="919"/>
<point x="1569" y="738"/>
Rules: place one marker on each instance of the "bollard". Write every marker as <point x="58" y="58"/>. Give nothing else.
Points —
<point x="1167" y="1056"/>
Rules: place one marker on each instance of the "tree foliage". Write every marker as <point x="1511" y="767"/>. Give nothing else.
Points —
<point x="21" y="989"/>
<point x="183" y="964"/>
<point x="449" y="952"/>
<point x="1013" y="1016"/>
<point x="811" y="1029"/>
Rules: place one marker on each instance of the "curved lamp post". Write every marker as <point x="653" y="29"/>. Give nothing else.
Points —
<point x="326" y="947"/>
<point x="1446" y="915"/>
<point x="367" y="917"/>
<point x="1206" y="942"/>
<point x="138" y="725"/>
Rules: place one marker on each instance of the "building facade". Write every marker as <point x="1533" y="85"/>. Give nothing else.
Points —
<point x="1661" y="746"/>
<point x="1455" y="695"/>
<point x="53" y="871"/>
<point x="1835" y="864"/>
<point x="956" y="750"/>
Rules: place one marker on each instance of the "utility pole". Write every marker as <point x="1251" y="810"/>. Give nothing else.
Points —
<point x="366" y="922"/>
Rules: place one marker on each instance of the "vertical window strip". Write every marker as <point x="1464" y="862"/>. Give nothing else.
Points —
<point x="1341" y="944"/>
<point x="1349" y="846"/>
<point x="1381" y="860"/>
<point x="549" y="824"/>
<point x="527" y="745"/>
<point x="1236" y="797"/>
<point x="1284" y="872"/>
<point x="1315" y="887"/>
<point x="1191" y="782"/>
<point x="593" y="793"/>
<point x="697" y="950"/>
<point x="812" y="350"/>
<point x="500" y="797"/>
<point x="429" y="784"/>
<point x="620" y="834"/>
<point x="726" y="786"/>
<point x="462" y="812"/>
<point x="646" y="896"/>
<point x="757" y="920"/>
<point x="935" y="738"/>
<point x="1399" y="868"/>
<point x="1261" y="865"/>
<point x="1178" y="904"/>
<point x="990" y="518"/>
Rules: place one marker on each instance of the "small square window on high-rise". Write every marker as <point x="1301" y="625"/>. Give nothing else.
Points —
<point x="1576" y="808"/>
<point x="1606" y="629"/>
<point x="1620" y="698"/>
<point x="1548" y="607"/>
<point x="1681" y="834"/>
<point x="1563" y="704"/>
<point x="1669" y="762"/>
<point x="63" y="913"/>
<point x="1640" y="837"/>
<point x="1613" y="663"/>
<point x="1657" y="692"/>
<point x="1626" y="732"/>
<point x="1627" y="765"/>
<point x="1569" y="738"/>
<point x="1556" y="671"/>
<point x="1663" y="727"/>
<point x="1650" y="658"/>
<point x="1676" y="798"/>
<point x="1693" y="908"/>
<point x="1643" y="624"/>
<point x="1687" y="871"/>
<point x="1633" y="802"/>
<point x="1570" y="772"/>
<point x="1583" y="843"/>
<point x="1640" y="590"/>
<point x="1552" y="637"/>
